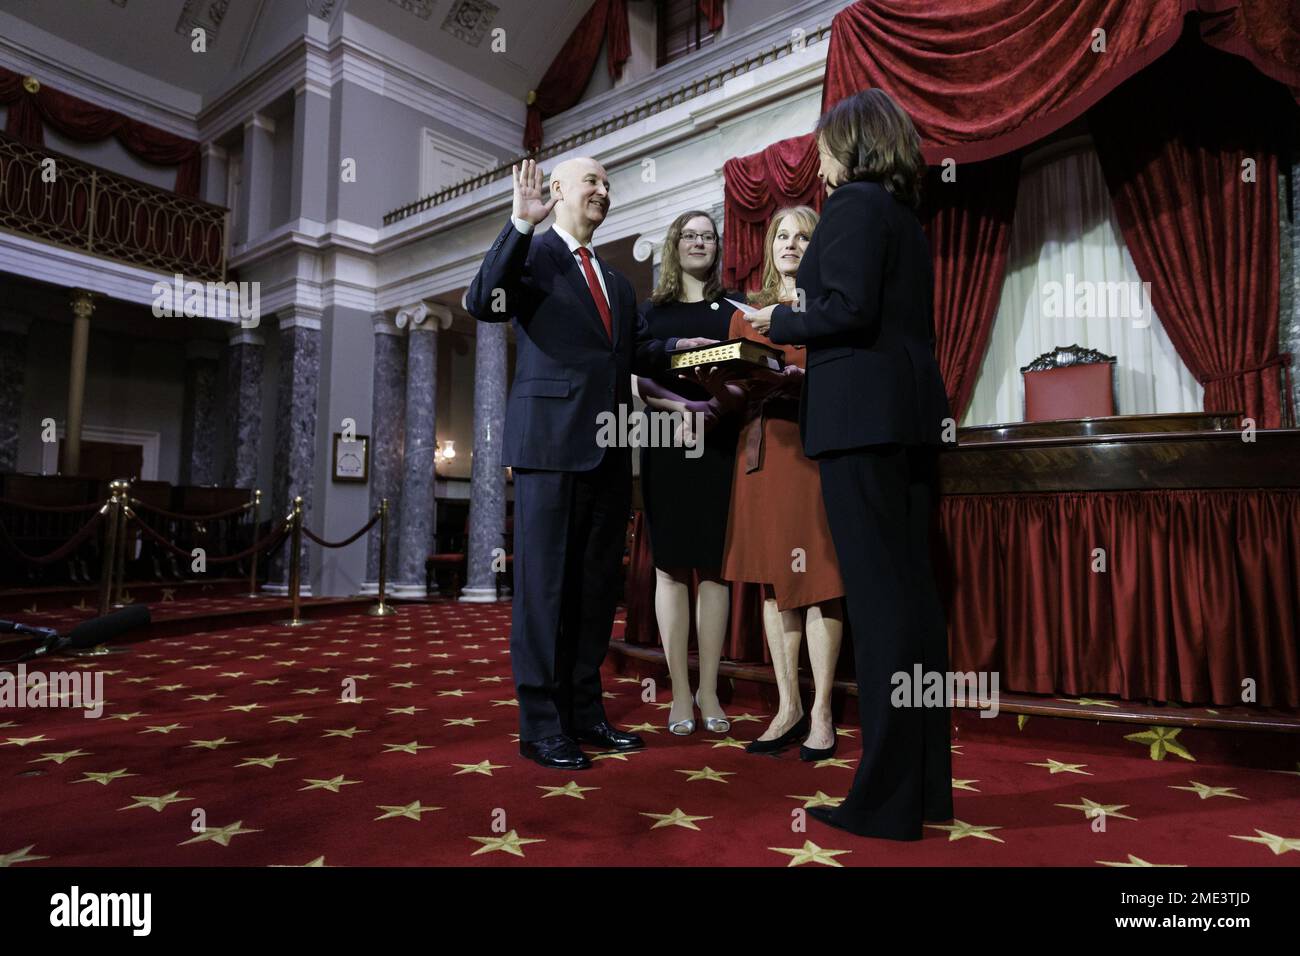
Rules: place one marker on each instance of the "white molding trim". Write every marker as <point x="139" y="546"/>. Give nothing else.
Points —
<point x="149" y="441"/>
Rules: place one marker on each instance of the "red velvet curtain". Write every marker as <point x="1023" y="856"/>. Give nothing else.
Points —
<point x="969" y="224"/>
<point x="1201" y="590"/>
<point x="1002" y="74"/>
<point x="88" y="123"/>
<point x="713" y="10"/>
<point x="570" y="71"/>
<point x="756" y="186"/>
<point x="1172" y="143"/>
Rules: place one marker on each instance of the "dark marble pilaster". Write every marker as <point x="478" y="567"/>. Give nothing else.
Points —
<point x="419" y="518"/>
<point x="487" y="504"/>
<point x="199" y="417"/>
<point x="244" y="359"/>
<point x="13" y="374"/>
<point x="387" y="437"/>
<point x="295" y="427"/>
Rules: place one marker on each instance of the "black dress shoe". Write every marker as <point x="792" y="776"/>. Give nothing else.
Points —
<point x="606" y="735"/>
<point x="820" y="753"/>
<point x="558" y="752"/>
<point x="797" y="732"/>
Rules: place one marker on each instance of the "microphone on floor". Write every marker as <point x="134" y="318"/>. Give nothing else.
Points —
<point x="96" y="631"/>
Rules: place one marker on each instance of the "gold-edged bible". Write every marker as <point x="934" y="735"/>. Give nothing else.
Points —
<point x="736" y="355"/>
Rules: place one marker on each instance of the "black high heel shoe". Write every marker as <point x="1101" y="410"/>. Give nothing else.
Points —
<point x="798" y="731"/>
<point x="824" y="753"/>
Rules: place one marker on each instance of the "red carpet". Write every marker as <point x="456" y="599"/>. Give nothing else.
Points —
<point x="247" y="728"/>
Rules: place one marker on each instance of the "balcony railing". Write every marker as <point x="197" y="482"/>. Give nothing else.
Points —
<point x="96" y="211"/>
<point x="657" y="104"/>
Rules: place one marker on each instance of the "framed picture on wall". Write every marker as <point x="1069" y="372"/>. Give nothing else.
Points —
<point x="351" y="458"/>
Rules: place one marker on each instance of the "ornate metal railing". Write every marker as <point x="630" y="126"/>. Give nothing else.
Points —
<point x="657" y="104"/>
<point x="80" y="206"/>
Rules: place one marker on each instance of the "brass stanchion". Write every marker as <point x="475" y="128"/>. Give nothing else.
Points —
<point x="119" y="569"/>
<point x="252" y="574"/>
<point x="382" y="608"/>
<point x="111" y="507"/>
<point x="295" y="565"/>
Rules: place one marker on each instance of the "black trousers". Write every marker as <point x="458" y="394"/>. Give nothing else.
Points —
<point x="570" y="534"/>
<point x="878" y="503"/>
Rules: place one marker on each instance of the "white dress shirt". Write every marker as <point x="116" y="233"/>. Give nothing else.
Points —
<point x="574" y="245"/>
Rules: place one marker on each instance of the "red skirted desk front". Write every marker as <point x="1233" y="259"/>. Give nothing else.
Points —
<point x="1147" y="557"/>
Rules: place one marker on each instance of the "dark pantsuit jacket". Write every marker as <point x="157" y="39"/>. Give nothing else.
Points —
<point x="572" y="497"/>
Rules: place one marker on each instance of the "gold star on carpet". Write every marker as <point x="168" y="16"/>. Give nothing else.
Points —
<point x="198" y="667"/>
<point x="810" y="852"/>
<point x="845" y="732"/>
<point x="570" y="789"/>
<point x="505" y="703"/>
<point x="156" y="803"/>
<point x="1277" y="844"/>
<point x="1088" y="702"/>
<point x="1162" y="741"/>
<point x="220" y="835"/>
<point x="405" y="685"/>
<point x="615" y="755"/>
<point x="318" y="862"/>
<point x="1055" y="766"/>
<point x="818" y="799"/>
<point x="288" y="663"/>
<point x="454" y="693"/>
<point x="365" y="660"/>
<point x="511" y="843"/>
<point x="485" y="767"/>
<point x="294" y="719"/>
<point x="675" y="819"/>
<point x="491" y="680"/>
<point x="440" y="655"/>
<point x="1205" y="792"/>
<point x="448" y="671"/>
<point x="728" y="741"/>
<point x="234" y="674"/>
<point x="708" y="773"/>
<point x="168" y="595"/>
<point x="956" y="748"/>
<point x="204" y="697"/>
<point x="310" y="690"/>
<point x="843" y="762"/>
<point x="1137" y="861"/>
<point x="738" y="718"/>
<point x="332" y="784"/>
<point x="959" y="829"/>
<point x="348" y="732"/>
<point x="24" y="741"/>
<point x="484" y="660"/>
<point x="619" y="680"/>
<point x="164" y="728"/>
<point x="61" y="758"/>
<point x="136" y="680"/>
<point x="964" y="785"/>
<point x="270" y="761"/>
<point x="410" y="711"/>
<point x="1091" y="809"/>
<point x="359" y="676"/>
<point x="319" y="670"/>
<point x="1021" y="720"/>
<point x="412" y="748"/>
<point x="244" y="708"/>
<point x="642" y="728"/>
<point x="104" y="778"/>
<point x="463" y="721"/>
<point x="411" y="811"/>
<point x="20" y="856"/>
<point x="407" y="665"/>
<point x="210" y="744"/>
<point x="352" y="700"/>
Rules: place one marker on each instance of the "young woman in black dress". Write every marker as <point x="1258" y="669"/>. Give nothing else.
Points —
<point x="687" y="491"/>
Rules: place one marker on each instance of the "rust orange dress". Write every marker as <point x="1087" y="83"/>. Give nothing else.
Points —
<point x="776" y="497"/>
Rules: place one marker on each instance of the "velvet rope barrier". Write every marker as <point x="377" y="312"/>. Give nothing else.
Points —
<point x="58" y="553"/>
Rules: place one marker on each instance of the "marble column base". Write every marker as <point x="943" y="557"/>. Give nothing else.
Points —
<point x="411" y="592"/>
<point x="478" y="596"/>
<point x="282" y="590"/>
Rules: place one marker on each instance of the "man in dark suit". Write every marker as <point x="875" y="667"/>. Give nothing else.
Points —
<point x="578" y="340"/>
<point x="874" y="413"/>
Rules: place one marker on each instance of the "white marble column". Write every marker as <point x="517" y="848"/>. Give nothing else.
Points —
<point x="387" y="436"/>
<point x="419" y="506"/>
<point x="487" y="495"/>
<point x="82" y="307"/>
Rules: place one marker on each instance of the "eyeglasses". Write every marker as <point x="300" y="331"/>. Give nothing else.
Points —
<point x="707" y="238"/>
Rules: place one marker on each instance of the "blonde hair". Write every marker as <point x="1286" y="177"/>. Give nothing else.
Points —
<point x="770" y="291"/>
<point x="669" y="287"/>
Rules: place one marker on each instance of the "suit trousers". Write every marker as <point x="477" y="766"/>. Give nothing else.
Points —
<point x="879" y="503"/>
<point x="570" y="535"/>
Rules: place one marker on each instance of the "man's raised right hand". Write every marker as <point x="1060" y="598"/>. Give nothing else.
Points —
<point x="529" y="205"/>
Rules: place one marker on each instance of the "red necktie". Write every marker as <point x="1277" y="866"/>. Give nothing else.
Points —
<point x="601" y="305"/>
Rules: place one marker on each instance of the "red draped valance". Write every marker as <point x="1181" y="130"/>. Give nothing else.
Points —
<point x="83" y="121"/>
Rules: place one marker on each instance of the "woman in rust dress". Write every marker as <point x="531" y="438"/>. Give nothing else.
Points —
<point x="777" y="533"/>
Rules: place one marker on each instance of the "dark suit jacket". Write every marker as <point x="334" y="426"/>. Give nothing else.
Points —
<point x="567" y="371"/>
<point x="868" y="324"/>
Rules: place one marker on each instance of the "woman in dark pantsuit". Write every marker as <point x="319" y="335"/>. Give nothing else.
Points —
<point x="874" y="414"/>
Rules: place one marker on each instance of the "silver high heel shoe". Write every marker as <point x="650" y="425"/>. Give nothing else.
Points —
<point x="684" y="727"/>
<point x="714" y="725"/>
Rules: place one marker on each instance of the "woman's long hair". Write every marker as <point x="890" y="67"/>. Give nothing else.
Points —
<point x="669" y="287"/>
<point x="875" y="140"/>
<point x="770" y="291"/>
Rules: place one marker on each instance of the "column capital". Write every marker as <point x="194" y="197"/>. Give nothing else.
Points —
<point x="83" y="303"/>
<point x="384" y="324"/>
<point x="214" y="151"/>
<point x="415" y="317"/>
<point x="301" y="317"/>
<point x="260" y="121"/>
<point x="245" y="337"/>
<point x="649" y="245"/>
